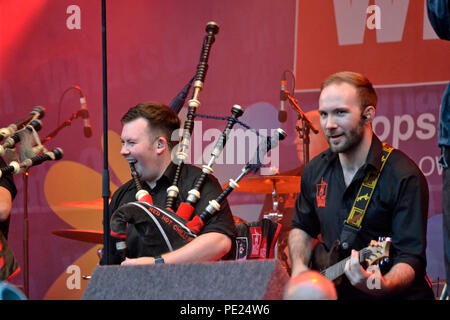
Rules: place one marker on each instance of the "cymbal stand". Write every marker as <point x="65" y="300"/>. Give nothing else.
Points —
<point x="26" y="236"/>
<point x="26" y="225"/>
<point x="275" y="215"/>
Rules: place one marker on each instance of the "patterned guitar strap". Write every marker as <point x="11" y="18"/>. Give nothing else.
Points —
<point x="353" y="223"/>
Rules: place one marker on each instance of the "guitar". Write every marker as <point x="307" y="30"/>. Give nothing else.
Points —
<point x="377" y="251"/>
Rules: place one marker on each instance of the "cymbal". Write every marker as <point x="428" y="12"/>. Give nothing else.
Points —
<point x="237" y="220"/>
<point x="96" y="204"/>
<point x="265" y="184"/>
<point x="90" y="236"/>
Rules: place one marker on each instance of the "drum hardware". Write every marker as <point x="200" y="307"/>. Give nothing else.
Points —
<point x="275" y="216"/>
<point x="84" y="235"/>
<point x="265" y="184"/>
<point x="96" y="204"/>
<point x="274" y="185"/>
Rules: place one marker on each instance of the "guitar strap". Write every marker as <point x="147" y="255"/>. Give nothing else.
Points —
<point x="353" y="223"/>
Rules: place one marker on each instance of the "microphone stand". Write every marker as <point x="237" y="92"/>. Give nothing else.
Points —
<point x="307" y="125"/>
<point x="105" y="176"/>
<point x="26" y="236"/>
<point x="82" y="113"/>
<point x="26" y="227"/>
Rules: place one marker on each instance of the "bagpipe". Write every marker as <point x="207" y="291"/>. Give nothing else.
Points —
<point x="164" y="228"/>
<point x="32" y="152"/>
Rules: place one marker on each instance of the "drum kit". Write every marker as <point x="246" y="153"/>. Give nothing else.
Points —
<point x="273" y="185"/>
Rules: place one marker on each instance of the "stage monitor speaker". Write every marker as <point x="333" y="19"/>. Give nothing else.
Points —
<point x="224" y="280"/>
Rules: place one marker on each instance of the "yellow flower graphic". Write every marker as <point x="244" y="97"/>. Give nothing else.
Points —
<point x="80" y="204"/>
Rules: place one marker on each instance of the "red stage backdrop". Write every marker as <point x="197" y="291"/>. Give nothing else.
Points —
<point x="153" y="49"/>
<point x="384" y="39"/>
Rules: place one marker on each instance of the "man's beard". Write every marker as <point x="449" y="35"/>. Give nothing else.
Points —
<point x="351" y="139"/>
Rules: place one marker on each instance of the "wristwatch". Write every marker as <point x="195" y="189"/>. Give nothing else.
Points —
<point x="159" y="259"/>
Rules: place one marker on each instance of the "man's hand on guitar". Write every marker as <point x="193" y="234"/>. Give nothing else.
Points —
<point x="372" y="282"/>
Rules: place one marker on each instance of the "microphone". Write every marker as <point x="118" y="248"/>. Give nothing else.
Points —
<point x="85" y="116"/>
<point x="282" y="114"/>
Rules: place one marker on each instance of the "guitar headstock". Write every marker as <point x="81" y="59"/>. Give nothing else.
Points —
<point x="377" y="251"/>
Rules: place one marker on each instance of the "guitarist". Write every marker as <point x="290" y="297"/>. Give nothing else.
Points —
<point x="398" y="206"/>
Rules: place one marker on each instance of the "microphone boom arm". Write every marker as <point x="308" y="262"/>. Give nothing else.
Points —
<point x="302" y="115"/>
<point x="81" y="113"/>
<point x="306" y="126"/>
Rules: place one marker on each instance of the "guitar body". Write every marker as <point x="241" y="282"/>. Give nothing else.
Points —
<point x="322" y="257"/>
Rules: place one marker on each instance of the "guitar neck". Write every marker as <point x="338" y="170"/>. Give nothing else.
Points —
<point x="337" y="270"/>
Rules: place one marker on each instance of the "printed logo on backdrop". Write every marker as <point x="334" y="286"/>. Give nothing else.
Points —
<point x="73" y="281"/>
<point x="407" y="118"/>
<point x="383" y="39"/>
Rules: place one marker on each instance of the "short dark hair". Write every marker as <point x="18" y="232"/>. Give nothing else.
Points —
<point x="161" y="119"/>
<point x="366" y="92"/>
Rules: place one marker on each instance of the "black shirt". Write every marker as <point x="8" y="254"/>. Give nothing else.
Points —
<point x="398" y="208"/>
<point x="221" y="222"/>
<point x="9" y="266"/>
<point x="7" y="182"/>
